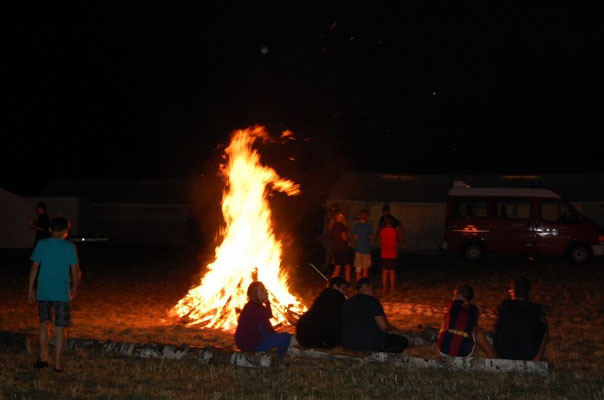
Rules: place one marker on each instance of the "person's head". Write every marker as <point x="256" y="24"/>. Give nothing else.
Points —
<point x="388" y="220"/>
<point x="59" y="226"/>
<point x="338" y="283"/>
<point x="41" y="207"/>
<point x="365" y="286"/>
<point x="520" y="288"/>
<point x="363" y="215"/>
<point x="257" y="293"/>
<point x="386" y="209"/>
<point x="464" y="292"/>
<point x="340" y="217"/>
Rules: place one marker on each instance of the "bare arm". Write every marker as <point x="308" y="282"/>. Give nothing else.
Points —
<point x="76" y="277"/>
<point x="483" y="343"/>
<point x="385" y="326"/>
<point x="33" y="272"/>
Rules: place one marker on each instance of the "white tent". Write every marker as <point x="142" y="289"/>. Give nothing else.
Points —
<point x="14" y="213"/>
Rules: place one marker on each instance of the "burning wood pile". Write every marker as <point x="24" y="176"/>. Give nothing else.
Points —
<point x="249" y="250"/>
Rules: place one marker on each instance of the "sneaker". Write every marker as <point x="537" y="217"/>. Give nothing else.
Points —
<point x="41" y="364"/>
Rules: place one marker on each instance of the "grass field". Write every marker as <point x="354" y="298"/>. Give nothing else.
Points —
<point x="126" y="295"/>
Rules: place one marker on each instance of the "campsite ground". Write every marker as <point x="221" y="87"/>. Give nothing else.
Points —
<point x="126" y="294"/>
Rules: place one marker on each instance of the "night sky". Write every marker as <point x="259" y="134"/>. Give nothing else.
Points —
<point x="114" y="90"/>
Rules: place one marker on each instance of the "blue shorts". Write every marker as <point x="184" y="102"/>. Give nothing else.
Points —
<point x="61" y="310"/>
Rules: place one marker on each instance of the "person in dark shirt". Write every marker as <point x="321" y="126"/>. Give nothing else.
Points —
<point x="365" y="326"/>
<point x="42" y="224"/>
<point x="521" y="328"/>
<point x="342" y="256"/>
<point x="254" y="329"/>
<point x="321" y="325"/>
<point x="382" y="223"/>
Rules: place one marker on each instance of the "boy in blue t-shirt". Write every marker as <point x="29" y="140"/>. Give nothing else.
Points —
<point x="56" y="259"/>
<point x="361" y="234"/>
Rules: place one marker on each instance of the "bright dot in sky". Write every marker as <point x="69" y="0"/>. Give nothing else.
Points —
<point x="264" y="49"/>
<point x="433" y="93"/>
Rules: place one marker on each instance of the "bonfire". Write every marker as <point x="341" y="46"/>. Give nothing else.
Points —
<point x="249" y="249"/>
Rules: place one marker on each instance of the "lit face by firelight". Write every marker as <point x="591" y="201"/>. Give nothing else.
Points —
<point x="261" y="294"/>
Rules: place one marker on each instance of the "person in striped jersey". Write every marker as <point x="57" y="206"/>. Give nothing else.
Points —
<point x="460" y="333"/>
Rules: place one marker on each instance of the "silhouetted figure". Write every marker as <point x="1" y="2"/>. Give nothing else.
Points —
<point x="42" y="224"/>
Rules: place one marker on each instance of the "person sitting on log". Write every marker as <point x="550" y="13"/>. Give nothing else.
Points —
<point x="254" y="329"/>
<point x="460" y="333"/>
<point x="521" y="329"/>
<point x="321" y="325"/>
<point x="365" y="326"/>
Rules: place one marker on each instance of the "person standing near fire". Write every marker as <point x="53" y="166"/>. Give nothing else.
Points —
<point x="341" y="251"/>
<point x="362" y="235"/>
<point x="325" y="238"/>
<point x="389" y="239"/>
<point x="254" y="329"/>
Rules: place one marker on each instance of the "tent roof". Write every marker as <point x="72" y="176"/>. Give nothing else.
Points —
<point x="411" y="188"/>
<point x="123" y="190"/>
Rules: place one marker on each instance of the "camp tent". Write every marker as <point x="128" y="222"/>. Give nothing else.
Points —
<point x="14" y="213"/>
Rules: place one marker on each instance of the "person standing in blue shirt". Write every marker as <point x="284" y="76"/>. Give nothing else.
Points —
<point x="54" y="262"/>
<point x="361" y="233"/>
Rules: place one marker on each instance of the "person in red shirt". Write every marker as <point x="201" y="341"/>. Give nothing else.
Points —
<point x="389" y="253"/>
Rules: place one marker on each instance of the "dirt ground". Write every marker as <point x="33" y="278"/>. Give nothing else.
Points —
<point x="126" y="295"/>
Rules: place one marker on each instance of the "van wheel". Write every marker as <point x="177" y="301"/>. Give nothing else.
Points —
<point x="579" y="254"/>
<point x="473" y="252"/>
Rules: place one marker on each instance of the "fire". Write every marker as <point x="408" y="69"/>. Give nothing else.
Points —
<point x="249" y="250"/>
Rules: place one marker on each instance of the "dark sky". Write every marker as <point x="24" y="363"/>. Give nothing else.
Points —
<point x="112" y="90"/>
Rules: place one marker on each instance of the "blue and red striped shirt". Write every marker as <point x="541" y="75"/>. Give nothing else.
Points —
<point x="457" y="336"/>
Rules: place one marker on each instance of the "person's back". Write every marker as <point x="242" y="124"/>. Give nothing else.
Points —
<point x="518" y="330"/>
<point x="321" y="325"/>
<point x="457" y="337"/>
<point x="360" y="331"/>
<point x="521" y="328"/>
<point x="55" y="255"/>
<point x="460" y="333"/>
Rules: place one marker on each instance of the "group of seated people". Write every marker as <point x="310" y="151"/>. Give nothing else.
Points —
<point x="360" y="324"/>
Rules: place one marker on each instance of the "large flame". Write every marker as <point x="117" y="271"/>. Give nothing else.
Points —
<point x="249" y="250"/>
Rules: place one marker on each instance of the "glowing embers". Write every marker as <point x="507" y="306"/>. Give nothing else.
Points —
<point x="249" y="250"/>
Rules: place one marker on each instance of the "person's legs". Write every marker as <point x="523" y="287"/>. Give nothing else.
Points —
<point x="395" y="343"/>
<point x="44" y="313"/>
<point x="279" y="340"/>
<point x="62" y="322"/>
<point x="365" y="272"/>
<point x="347" y="273"/>
<point x="43" y="341"/>
<point x="384" y="280"/>
<point x="336" y="271"/>
<point x="59" y="342"/>
<point x="483" y="343"/>
<point x="359" y="273"/>
<point x="391" y="273"/>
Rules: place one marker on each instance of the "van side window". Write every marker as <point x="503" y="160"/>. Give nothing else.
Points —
<point x="470" y="208"/>
<point x="554" y="211"/>
<point x="513" y="208"/>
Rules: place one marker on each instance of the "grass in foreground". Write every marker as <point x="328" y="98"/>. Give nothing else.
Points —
<point x="95" y="376"/>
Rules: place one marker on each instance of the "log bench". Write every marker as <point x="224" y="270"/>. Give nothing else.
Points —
<point x="218" y="356"/>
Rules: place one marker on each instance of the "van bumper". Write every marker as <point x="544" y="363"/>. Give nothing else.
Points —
<point x="597" y="250"/>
